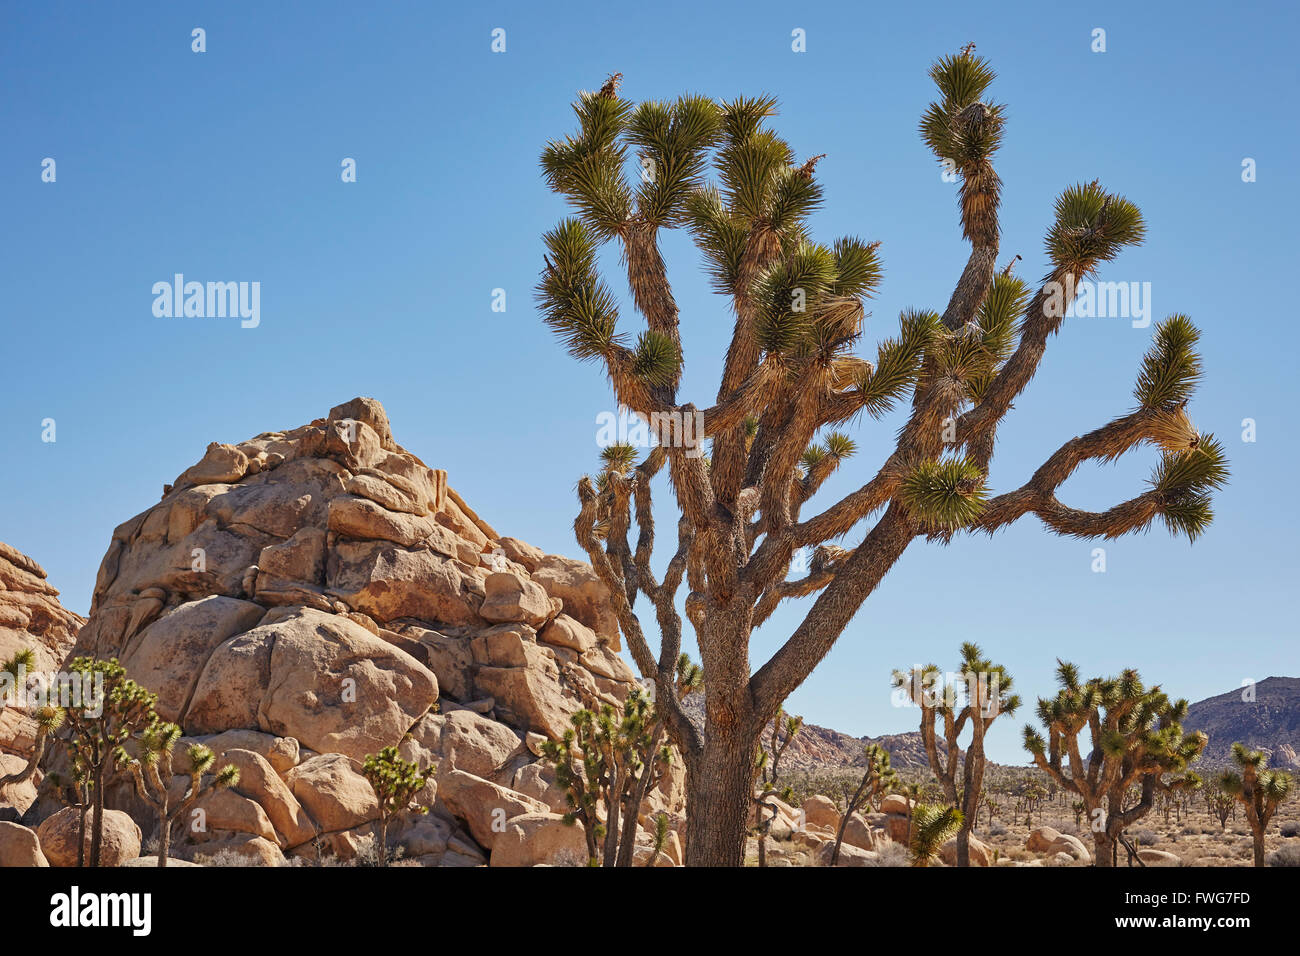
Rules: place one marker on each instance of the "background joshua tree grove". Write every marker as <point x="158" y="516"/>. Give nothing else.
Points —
<point x="792" y="378"/>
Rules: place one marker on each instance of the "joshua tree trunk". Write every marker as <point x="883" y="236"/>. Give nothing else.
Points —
<point x="1103" y="849"/>
<point x="81" y="833"/>
<point x="97" y="824"/>
<point x="164" y="839"/>
<point x="718" y="800"/>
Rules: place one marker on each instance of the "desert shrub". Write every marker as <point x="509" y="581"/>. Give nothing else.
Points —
<point x="997" y="830"/>
<point x="1145" y="838"/>
<point x="1288" y="855"/>
<point x="1290" y="828"/>
<point x="889" y="853"/>
<point x="225" y="858"/>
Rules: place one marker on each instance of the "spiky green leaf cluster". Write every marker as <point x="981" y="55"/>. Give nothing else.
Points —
<point x="588" y="168"/>
<point x="1185" y="480"/>
<point x="1091" y="226"/>
<point x="959" y="128"/>
<point x="1171" y="368"/>
<point x="898" y="362"/>
<point x="944" y="494"/>
<point x="576" y="303"/>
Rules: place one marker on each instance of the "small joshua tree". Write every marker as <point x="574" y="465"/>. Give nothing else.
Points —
<point x="112" y="710"/>
<point x="396" y="783"/>
<point x="1260" y="790"/>
<point x="152" y="771"/>
<point x="932" y="827"/>
<point x="767" y="771"/>
<point x="612" y="759"/>
<point x="877" y="780"/>
<point x="980" y="693"/>
<point x="1220" y="801"/>
<point x="1136" y="739"/>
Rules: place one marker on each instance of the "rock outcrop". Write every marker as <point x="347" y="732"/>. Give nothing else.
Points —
<point x="304" y="598"/>
<point x="31" y="619"/>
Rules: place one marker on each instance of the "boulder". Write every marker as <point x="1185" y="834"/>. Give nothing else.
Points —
<point x="980" y="853"/>
<point x="849" y="855"/>
<point x="511" y="597"/>
<point x="820" y="811"/>
<point x="58" y="837"/>
<point x="485" y="807"/>
<point x="20" y="846"/>
<point x="320" y="678"/>
<point x="895" y="803"/>
<point x="537" y="838"/>
<point x="584" y="595"/>
<point x="333" y="791"/>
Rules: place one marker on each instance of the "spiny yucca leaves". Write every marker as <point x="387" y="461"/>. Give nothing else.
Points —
<point x="857" y="267"/>
<point x="657" y="359"/>
<point x="619" y="458"/>
<point x="898" y="362"/>
<point x="932" y="827"/>
<point x="1000" y="313"/>
<point x="576" y="303"/>
<point x="748" y="169"/>
<point x="944" y="494"/>
<point x="1245" y="757"/>
<point x="950" y="128"/>
<point x="22" y="661"/>
<point x="672" y="142"/>
<point x="588" y="169"/>
<point x="1091" y="226"/>
<point x="743" y="116"/>
<point x="788" y="295"/>
<point x="792" y="197"/>
<point x="1184" y="480"/>
<point x="719" y="235"/>
<point x="1171" y="368"/>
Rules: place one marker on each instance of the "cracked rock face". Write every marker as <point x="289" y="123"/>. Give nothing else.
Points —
<point x="31" y="619"/>
<point x="324" y="586"/>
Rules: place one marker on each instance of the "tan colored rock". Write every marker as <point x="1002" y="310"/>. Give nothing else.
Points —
<point x="20" y="846"/>
<point x="483" y="805"/>
<point x="858" y="833"/>
<point x="389" y="582"/>
<point x="537" y="780"/>
<point x="1051" y="841"/>
<point x="258" y="781"/>
<point x="896" y="828"/>
<point x="332" y="790"/>
<point x="530" y="697"/>
<point x="31" y="616"/>
<point x="585" y="596"/>
<point x="895" y="803"/>
<point x="566" y="631"/>
<point x="221" y="464"/>
<point x="320" y="678"/>
<point x="476" y="744"/>
<point x="514" y="598"/>
<point x="280" y="752"/>
<point x="20" y="796"/>
<point x="849" y="855"/>
<point x="169" y="654"/>
<point x="522" y="553"/>
<point x="980" y="854"/>
<point x="58" y="837"/>
<point x="820" y="811"/>
<point x="531" y="839"/>
<point x="229" y="810"/>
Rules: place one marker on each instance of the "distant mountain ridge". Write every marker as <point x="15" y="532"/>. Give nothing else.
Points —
<point x="1270" y="722"/>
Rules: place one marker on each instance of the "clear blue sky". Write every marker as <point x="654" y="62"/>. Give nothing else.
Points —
<point x="225" y="166"/>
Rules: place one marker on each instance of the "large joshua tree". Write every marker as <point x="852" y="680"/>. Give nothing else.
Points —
<point x="1135" y="741"/>
<point x="791" y="379"/>
<point x="980" y="692"/>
